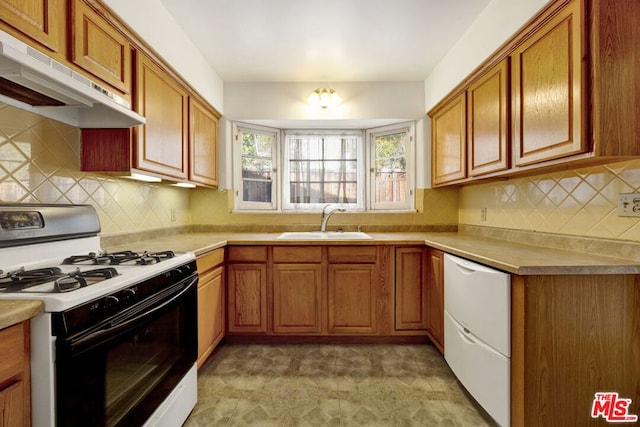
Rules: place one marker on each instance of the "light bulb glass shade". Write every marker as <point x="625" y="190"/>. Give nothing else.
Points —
<point x="324" y="97"/>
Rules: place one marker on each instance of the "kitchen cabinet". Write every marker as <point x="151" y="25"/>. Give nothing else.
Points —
<point x="571" y="99"/>
<point x="43" y="22"/>
<point x="352" y="290"/>
<point x="247" y="289"/>
<point x="160" y="145"/>
<point x="548" y="78"/>
<point x="211" y="303"/>
<point x="179" y="141"/>
<point x="100" y="49"/>
<point x="487" y="114"/>
<point x="411" y="288"/>
<point x="435" y="298"/>
<point x="449" y="141"/>
<point x="572" y="336"/>
<point x="203" y="143"/>
<point x="298" y="290"/>
<point x="15" y="376"/>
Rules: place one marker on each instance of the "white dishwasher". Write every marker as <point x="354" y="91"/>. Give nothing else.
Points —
<point x="477" y="330"/>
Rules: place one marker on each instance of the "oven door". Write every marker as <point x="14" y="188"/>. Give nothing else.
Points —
<point x="119" y="372"/>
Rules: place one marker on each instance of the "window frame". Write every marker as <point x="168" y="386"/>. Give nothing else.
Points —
<point x="366" y="173"/>
<point x="239" y="203"/>
<point x="371" y="134"/>
<point x="314" y="207"/>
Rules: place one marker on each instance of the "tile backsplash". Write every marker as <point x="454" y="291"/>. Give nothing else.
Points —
<point x="579" y="202"/>
<point x="40" y="163"/>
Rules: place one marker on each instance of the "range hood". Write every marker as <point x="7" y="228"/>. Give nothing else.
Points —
<point x="32" y="81"/>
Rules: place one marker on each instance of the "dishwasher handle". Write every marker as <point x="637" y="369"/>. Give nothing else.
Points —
<point x="470" y="267"/>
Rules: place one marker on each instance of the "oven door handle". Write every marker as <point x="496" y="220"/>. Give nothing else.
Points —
<point x="114" y="328"/>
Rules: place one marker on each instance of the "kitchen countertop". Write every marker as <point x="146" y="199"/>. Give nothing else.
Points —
<point x="516" y="258"/>
<point x="523" y="259"/>
<point x="16" y="311"/>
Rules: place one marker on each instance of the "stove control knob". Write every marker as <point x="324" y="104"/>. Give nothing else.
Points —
<point x="128" y="295"/>
<point x="109" y="303"/>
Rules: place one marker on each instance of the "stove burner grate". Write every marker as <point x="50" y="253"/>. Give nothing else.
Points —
<point x="78" y="279"/>
<point x="119" y="258"/>
<point x="22" y="280"/>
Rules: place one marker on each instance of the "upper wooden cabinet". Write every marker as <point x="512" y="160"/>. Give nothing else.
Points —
<point x="548" y="80"/>
<point x="569" y="89"/>
<point x="161" y="144"/>
<point x="449" y="141"/>
<point x="98" y="48"/>
<point x="203" y="143"/>
<point x="487" y="122"/>
<point x="43" y="21"/>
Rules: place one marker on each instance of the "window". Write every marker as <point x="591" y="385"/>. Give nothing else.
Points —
<point x="256" y="177"/>
<point x="322" y="167"/>
<point x="391" y="180"/>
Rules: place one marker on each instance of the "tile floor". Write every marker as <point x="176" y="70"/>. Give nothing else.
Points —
<point x="331" y="385"/>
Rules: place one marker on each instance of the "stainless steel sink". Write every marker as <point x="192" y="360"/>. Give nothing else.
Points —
<point x="324" y="235"/>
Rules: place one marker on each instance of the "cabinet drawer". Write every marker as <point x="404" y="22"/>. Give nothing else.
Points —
<point x="293" y="254"/>
<point x="479" y="298"/>
<point x="484" y="372"/>
<point x="352" y="254"/>
<point x="12" y="363"/>
<point x="210" y="259"/>
<point x="247" y="253"/>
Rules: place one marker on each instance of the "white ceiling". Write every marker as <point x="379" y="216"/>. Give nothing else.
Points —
<point x="324" y="40"/>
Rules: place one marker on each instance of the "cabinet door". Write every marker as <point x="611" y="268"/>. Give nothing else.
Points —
<point x="99" y="48"/>
<point x="247" y="295"/>
<point x="297" y="298"/>
<point x="411" y="289"/>
<point x="548" y="79"/>
<point x="449" y="141"/>
<point x="203" y="144"/>
<point x="42" y="21"/>
<point x="352" y="296"/>
<point x="210" y="313"/>
<point x="436" y="298"/>
<point x="12" y="406"/>
<point x="161" y="144"/>
<point x="487" y="137"/>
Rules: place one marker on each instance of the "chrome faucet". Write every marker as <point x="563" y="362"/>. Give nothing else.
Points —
<point x="326" y="215"/>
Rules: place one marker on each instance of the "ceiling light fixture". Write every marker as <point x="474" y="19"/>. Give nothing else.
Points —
<point x="324" y="97"/>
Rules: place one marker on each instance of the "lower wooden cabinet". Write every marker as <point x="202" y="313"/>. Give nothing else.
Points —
<point x="352" y="292"/>
<point x="15" y="376"/>
<point x="247" y="289"/>
<point x="411" y="280"/>
<point x="324" y="290"/>
<point x="297" y="298"/>
<point x="435" y="297"/>
<point x="247" y="285"/>
<point x="211" y="303"/>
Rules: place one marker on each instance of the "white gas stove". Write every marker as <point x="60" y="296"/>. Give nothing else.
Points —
<point x="118" y="340"/>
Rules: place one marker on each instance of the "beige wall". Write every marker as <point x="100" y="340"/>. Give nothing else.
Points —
<point x="40" y="163"/>
<point x="579" y="202"/>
